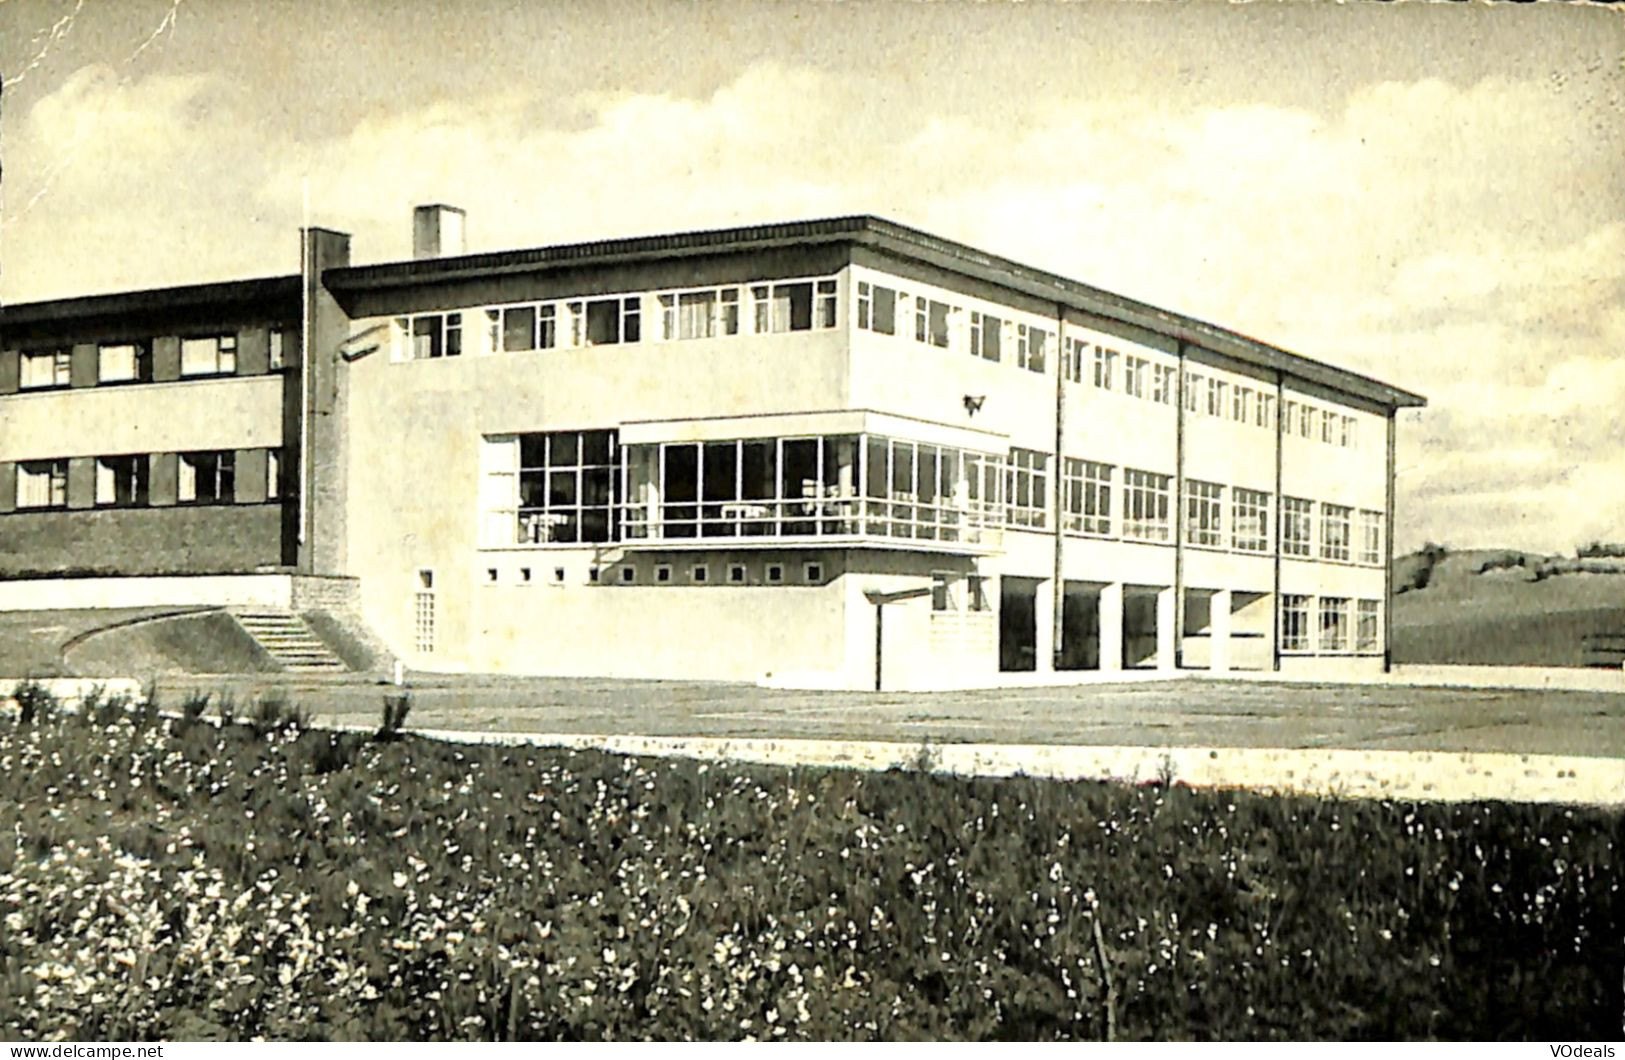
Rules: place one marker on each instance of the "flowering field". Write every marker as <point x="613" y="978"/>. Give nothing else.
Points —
<point x="176" y="878"/>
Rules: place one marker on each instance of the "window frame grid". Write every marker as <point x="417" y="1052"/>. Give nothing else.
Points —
<point x="1147" y="492"/>
<point x="1204" y="513"/>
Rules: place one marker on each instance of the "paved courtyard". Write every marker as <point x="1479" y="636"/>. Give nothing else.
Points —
<point x="1183" y="713"/>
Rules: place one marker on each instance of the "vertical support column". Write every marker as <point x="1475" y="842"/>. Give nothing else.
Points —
<point x="1280" y="507"/>
<point x="1388" y="553"/>
<point x="1045" y="600"/>
<point x="1176" y="657"/>
<point x="323" y="437"/>
<point x="11" y="367"/>
<point x="1219" y="631"/>
<point x="1111" y="627"/>
<point x="82" y="482"/>
<point x="1168" y="632"/>
<point x="1058" y="495"/>
<point x="83" y="364"/>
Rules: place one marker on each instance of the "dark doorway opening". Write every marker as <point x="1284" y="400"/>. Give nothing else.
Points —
<point x="1139" y="627"/>
<point x="1080" y="627"/>
<point x="1018" y="623"/>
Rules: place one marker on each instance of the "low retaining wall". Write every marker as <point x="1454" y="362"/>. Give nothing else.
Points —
<point x="212" y="590"/>
<point x="300" y="592"/>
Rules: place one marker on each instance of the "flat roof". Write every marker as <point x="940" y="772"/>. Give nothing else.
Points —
<point x="229" y="294"/>
<point x="894" y="238"/>
<point x="861" y="229"/>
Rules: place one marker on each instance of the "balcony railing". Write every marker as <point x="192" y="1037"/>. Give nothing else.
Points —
<point x="973" y="525"/>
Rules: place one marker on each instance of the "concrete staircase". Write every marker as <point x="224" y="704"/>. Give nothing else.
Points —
<point x="288" y="640"/>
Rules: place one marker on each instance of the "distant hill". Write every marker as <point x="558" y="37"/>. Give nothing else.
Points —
<point x="1503" y="607"/>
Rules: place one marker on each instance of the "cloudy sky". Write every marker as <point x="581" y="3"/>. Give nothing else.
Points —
<point x="1430" y="194"/>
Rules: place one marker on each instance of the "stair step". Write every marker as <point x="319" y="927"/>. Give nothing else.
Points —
<point x="289" y="641"/>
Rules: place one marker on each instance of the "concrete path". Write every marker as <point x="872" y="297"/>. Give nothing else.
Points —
<point x="1406" y="775"/>
<point x="1184" y="713"/>
<point x="1354" y="741"/>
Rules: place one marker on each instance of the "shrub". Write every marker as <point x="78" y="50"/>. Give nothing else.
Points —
<point x="397" y="705"/>
<point x="1415" y="571"/>
<point x="274" y="714"/>
<point x="1502" y="561"/>
<point x="35" y="701"/>
<point x="1601" y="550"/>
<point x="195" y="703"/>
<point x="92" y="703"/>
<point x="193" y="706"/>
<point x="1431" y="556"/>
<point x="110" y="710"/>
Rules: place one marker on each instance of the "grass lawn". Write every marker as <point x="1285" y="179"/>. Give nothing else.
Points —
<point x="1185" y="713"/>
<point x="174" y="879"/>
<point x="31" y="641"/>
<point x="1499" y="619"/>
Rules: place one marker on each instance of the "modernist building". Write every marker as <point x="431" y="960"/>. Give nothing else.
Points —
<point x="838" y="452"/>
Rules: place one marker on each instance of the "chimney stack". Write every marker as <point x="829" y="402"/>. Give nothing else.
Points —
<point x="438" y="231"/>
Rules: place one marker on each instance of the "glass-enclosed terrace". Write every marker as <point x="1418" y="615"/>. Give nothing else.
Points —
<point x="586" y="487"/>
<point x="827" y="486"/>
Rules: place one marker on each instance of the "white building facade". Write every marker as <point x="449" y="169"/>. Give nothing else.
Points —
<point x="838" y="453"/>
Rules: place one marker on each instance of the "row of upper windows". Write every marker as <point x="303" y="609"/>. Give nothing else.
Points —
<point x="123" y="481"/>
<point x="888" y="311"/>
<point x="699" y="313"/>
<point x="201" y="357"/>
<point x="1344" y="624"/>
<point x="1145" y="512"/>
<point x="1205" y="395"/>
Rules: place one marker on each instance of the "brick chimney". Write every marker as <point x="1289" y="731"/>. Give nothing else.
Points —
<point x="438" y="231"/>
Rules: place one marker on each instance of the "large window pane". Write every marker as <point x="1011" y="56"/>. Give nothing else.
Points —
<point x="519" y="328"/>
<point x="792" y="307"/>
<point x="719" y="487"/>
<point x="564" y="491"/>
<point x="603" y="322"/>
<point x="760" y="470"/>
<point x="563" y="447"/>
<point x="877" y="475"/>
<point x="595" y="447"/>
<point x="679" y="487"/>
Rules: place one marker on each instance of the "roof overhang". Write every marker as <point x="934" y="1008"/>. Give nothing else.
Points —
<point x="274" y="292"/>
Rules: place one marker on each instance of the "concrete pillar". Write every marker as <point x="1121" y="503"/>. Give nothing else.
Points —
<point x="1111" y="627"/>
<point x="1272" y="601"/>
<point x="83" y="365"/>
<point x="82" y="482"/>
<point x="8" y="486"/>
<point x="10" y="369"/>
<point x="162" y="480"/>
<point x="1219" y="631"/>
<point x="253" y="351"/>
<point x="324" y="456"/>
<point x="1167" y="633"/>
<point x="251" y="476"/>
<point x="1044" y="634"/>
<point x="166" y="359"/>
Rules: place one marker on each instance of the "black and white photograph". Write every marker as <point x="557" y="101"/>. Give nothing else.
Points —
<point x="784" y="520"/>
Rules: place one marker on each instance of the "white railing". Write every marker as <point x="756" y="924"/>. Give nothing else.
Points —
<point x="845" y="517"/>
